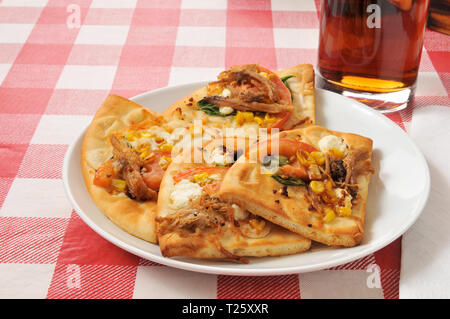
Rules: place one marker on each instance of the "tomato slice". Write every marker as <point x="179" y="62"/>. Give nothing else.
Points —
<point x="104" y="174"/>
<point x="154" y="174"/>
<point x="296" y="171"/>
<point x="283" y="91"/>
<point x="286" y="147"/>
<point x="280" y="123"/>
<point x="290" y="147"/>
<point x="197" y="170"/>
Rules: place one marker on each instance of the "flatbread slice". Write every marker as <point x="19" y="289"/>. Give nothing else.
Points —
<point x="315" y="186"/>
<point x="193" y="222"/>
<point x="124" y="154"/>
<point x="240" y="103"/>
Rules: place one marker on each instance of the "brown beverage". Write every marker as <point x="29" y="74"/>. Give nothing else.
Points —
<point x="439" y="16"/>
<point x="371" y="49"/>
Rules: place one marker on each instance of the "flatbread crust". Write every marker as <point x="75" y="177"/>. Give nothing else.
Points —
<point x="228" y="244"/>
<point x="245" y="185"/>
<point x="302" y="90"/>
<point x="301" y="86"/>
<point x="115" y="114"/>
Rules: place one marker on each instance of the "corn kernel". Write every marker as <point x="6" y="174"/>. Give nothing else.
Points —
<point x="147" y="156"/>
<point x="164" y="162"/>
<point x="269" y="118"/>
<point x="131" y="136"/>
<point x="344" y="211"/>
<point x="119" y="184"/>
<point x="317" y="187"/>
<point x="159" y="139"/>
<point x="329" y="215"/>
<point x="318" y="157"/>
<point x="142" y="148"/>
<point x="329" y="185"/>
<point x="258" y="120"/>
<point x="166" y="147"/>
<point x="264" y="74"/>
<point x="146" y="134"/>
<point x="337" y="154"/>
<point x="304" y="159"/>
<point x="331" y="194"/>
<point x="248" y="116"/>
<point x="201" y="178"/>
<point x="257" y="224"/>
<point x="240" y="118"/>
<point x="314" y="172"/>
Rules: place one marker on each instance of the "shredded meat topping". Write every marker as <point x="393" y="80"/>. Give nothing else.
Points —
<point x="356" y="164"/>
<point x="250" y="91"/>
<point x="253" y="106"/>
<point x="136" y="186"/>
<point x="207" y="212"/>
<point x="338" y="171"/>
<point x="130" y="166"/>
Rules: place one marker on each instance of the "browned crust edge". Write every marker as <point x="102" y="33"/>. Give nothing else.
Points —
<point x="260" y="200"/>
<point x="116" y="113"/>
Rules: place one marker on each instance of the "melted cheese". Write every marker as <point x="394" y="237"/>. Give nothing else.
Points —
<point x="184" y="193"/>
<point x="328" y="142"/>
<point x="225" y="110"/>
<point x="226" y="93"/>
<point x="239" y="213"/>
<point x="219" y="157"/>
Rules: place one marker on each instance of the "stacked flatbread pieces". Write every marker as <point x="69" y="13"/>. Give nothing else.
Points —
<point x="224" y="206"/>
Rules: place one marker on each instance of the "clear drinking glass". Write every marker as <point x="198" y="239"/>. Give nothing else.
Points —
<point x="370" y="50"/>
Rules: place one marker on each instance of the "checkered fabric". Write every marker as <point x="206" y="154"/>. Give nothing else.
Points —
<point x="59" y="60"/>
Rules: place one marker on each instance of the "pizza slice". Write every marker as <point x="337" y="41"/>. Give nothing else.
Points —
<point x="124" y="155"/>
<point x="248" y="97"/>
<point x="193" y="222"/>
<point x="311" y="180"/>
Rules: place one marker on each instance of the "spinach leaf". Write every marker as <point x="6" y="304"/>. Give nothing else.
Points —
<point x="284" y="79"/>
<point x="289" y="181"/>
<point x="282" y="160"/>
<point x="211" y="109"/>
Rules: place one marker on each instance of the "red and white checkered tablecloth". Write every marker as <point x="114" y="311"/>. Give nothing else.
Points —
<point x="56" y="69"/>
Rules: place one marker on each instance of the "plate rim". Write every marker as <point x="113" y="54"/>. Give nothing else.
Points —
<point x="270" y="271"/>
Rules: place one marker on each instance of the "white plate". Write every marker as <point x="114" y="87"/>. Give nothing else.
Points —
<point x="397" y="194"/>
